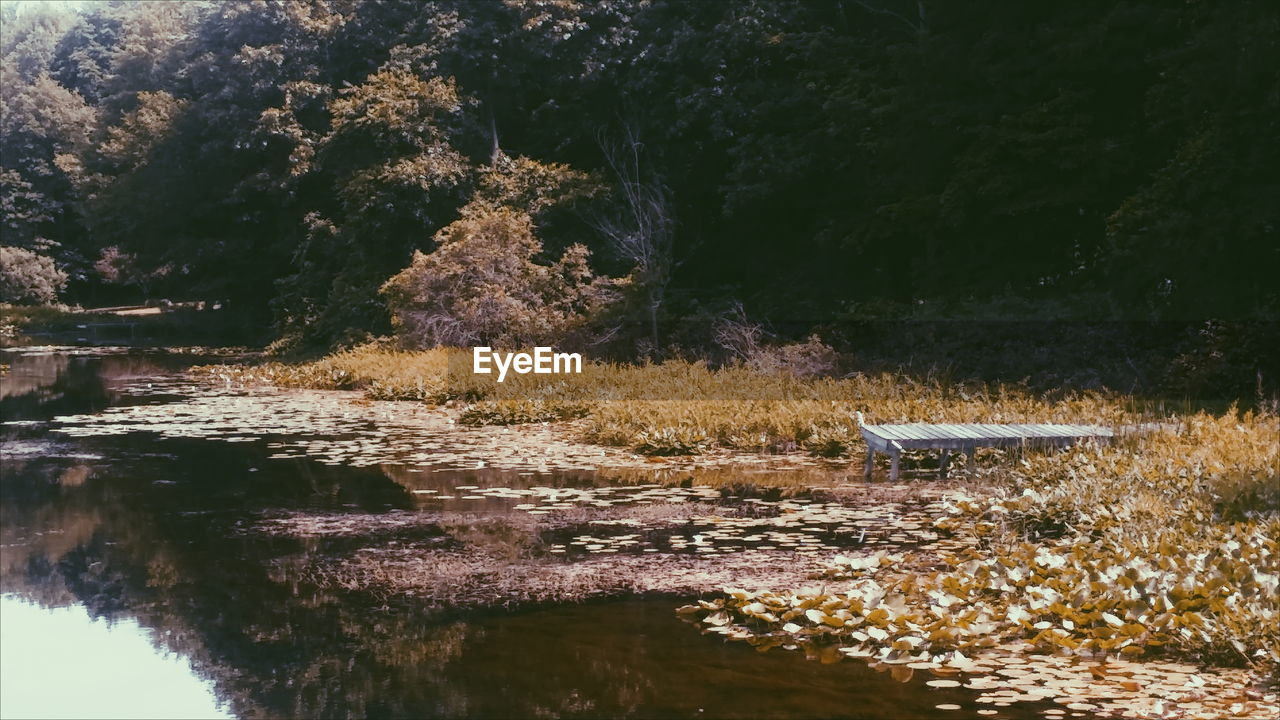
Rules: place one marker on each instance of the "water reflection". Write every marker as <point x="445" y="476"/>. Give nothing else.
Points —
<point x="155" y="537"/>
<point x="42" y="383"/>
<point x="106" y="670"/>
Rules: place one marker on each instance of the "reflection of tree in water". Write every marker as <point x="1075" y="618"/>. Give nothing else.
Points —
<point x="126" y="547"/>
<point x="37" y="530"/>
<point x="32" y="374"/>
<point x="41" y="385"/>
<point x="174" y="557"/>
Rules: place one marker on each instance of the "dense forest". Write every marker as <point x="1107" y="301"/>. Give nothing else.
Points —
<point x="668" y="160"/>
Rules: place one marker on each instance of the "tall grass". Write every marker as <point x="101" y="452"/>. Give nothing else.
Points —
<point x="383" y="373"/>
<point x="681" y="407"/>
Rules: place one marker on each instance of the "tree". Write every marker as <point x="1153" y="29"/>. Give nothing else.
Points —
<point x="483" y="285"/>
<point x="1199" y="235"/>
<point x="38" y="121"/>
<point x="393" y="173"/>
<point x="83" y="58"/>
<point x="640" y="229"/>
<point x="26" y="276"/>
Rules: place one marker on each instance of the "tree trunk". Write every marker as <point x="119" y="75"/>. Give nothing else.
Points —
<point x="495" y="151"/>
<point x="655" y="301"/>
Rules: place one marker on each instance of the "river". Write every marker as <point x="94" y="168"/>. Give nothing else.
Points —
<point x="134" y="585"/>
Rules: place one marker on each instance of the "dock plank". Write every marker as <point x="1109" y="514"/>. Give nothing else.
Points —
<point x="941" y="432"/>
<point x="922" y="433"/>
<point x="888" y="432"/>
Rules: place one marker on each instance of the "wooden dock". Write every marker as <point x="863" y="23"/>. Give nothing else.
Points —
<point x="966" y="438"/>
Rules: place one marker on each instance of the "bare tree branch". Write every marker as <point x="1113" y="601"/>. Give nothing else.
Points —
<point x="640" y="228"/>
<point x="919" y="26"/>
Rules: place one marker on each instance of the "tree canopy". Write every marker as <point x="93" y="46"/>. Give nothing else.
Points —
<point x="809" y="157"/>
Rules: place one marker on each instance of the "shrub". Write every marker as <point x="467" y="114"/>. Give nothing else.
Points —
<point x="484" y="286"/>
<point x="26" y="276"/>
<point x="811" y="358"/>
<point x="117" y="267"/>
<point x="745" y="342"/>
<point x="1228" y="359"/>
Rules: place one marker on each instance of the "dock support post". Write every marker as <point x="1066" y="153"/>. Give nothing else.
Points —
<point x="971" y="463"/>
<point x="894" y="456"/>
<point x="868" y="464"/>
<point x="943" y="462"/>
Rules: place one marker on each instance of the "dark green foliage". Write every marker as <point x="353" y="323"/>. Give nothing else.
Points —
<point x="813" y="160"/>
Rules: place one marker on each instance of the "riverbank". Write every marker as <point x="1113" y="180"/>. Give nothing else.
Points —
<point x="152" y="325"/>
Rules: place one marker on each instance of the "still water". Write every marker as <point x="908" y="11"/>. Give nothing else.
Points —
<point x="131" y="590"/>
<point x="108" y="666"/>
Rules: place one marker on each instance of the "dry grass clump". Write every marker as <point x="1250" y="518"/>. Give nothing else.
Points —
<point x="383" y="373"/>
<point x="522" y="411"/>
<point x="1207" y="470"/>
<point x="680" y="408"/>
